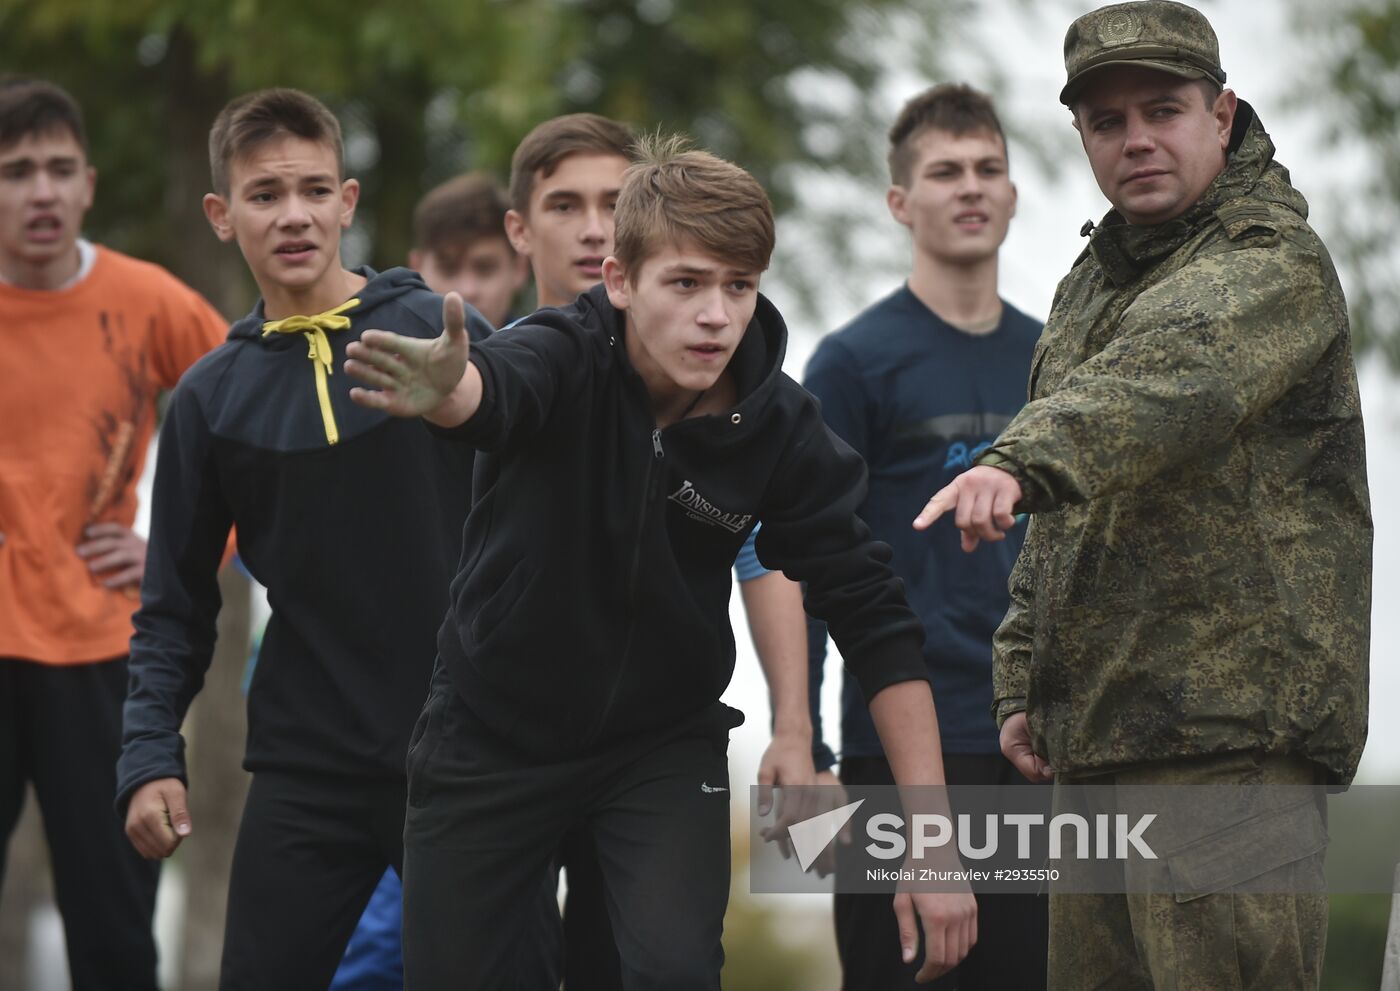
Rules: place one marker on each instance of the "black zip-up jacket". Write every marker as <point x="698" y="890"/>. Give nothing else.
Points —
<point x="593" y="598"/>
<point x="355" y="542"/>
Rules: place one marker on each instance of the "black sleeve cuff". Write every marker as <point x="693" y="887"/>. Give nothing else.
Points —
<point x="888" y="662"/>
<point x="482" y="429"/>
<point x="137" y="766"/>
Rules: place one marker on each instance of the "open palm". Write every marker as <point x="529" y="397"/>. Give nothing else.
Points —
<point x="409" y="376"/>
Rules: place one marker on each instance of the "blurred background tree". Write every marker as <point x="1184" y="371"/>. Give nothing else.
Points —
<point x="1356" y="86"/>
<point x="430" y="89"/>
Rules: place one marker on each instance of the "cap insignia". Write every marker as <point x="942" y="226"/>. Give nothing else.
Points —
<point x="1121" y="27"/>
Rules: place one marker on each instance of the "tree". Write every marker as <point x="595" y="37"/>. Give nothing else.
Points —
<point x="445" y="85"/>
<point x="1358" y="56"/>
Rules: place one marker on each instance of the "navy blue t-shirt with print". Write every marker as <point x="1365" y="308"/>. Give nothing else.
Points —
<point x="919" y="399"/>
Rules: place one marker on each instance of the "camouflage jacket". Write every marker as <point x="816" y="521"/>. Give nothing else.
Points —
<point x="1197" y="574"/>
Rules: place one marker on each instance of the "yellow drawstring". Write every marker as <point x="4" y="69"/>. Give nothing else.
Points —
<point x="315" y="327"/>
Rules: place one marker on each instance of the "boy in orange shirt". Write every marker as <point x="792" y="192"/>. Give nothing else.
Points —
<point x="91" y="337"/>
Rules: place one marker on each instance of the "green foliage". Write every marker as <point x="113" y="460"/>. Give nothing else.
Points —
<point x="1358" y="55"/>
<point x="432" y="88"/>
<point x="1356" y="929"/>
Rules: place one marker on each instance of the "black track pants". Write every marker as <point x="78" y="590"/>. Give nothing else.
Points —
<point x="60" y="729"/>
<point x="310" y="850"/>
<point x="485" y="822"/>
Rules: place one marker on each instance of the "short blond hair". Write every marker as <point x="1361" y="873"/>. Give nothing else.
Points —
<point x="676" y="195"/>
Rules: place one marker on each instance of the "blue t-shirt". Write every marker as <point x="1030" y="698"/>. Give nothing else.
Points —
<point x="746" y="565"/>
<point x="919" y="399"/>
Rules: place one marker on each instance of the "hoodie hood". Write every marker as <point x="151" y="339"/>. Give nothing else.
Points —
<point x="313" y="407"/>
<point x="758" y="361"/>
<point x="380" y="288"/>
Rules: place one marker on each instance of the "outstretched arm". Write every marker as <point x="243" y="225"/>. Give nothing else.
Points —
<point x="1195" y="359"/>
<point x="412" y="377"/>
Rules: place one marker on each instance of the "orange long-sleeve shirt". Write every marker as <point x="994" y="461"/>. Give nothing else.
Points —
<point x="79" y="372"/>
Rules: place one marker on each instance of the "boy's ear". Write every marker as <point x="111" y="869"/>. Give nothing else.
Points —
<point x="216" y="211"/>
<point x="349" y="196"/>
<point x="615" y="281"/>
<point x="91" y="175"/>
<point x="518" y="233"/>
<point x="415" y="259"/>
<point x="896" y="198"/>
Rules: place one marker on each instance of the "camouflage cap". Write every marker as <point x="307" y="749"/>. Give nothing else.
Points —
<point x="1157" y="34"/>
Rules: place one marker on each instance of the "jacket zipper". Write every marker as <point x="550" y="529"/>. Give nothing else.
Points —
<point x="648" y="496"/>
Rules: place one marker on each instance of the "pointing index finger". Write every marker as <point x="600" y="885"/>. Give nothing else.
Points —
<point x="943" y="500"/>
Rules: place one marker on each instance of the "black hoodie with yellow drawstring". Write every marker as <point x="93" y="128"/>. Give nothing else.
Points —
<point x="352" y="520"/>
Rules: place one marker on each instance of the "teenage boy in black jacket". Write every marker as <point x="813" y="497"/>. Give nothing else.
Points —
<point x="565" y="177"/>
<point x="352" y="519"/>
<point x="630" y="442"/>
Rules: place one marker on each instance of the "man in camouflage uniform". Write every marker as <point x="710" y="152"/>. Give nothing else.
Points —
<point x="1192" y="604"/>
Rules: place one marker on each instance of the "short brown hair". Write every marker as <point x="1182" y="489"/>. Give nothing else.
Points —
<point x="953" y="107"/>
<point x="555" y="140"/>
<point x="672" y="195"/>
<point x="34" y="106"/>
<point x="253" y="118"/>
<point x="455" y="215"/>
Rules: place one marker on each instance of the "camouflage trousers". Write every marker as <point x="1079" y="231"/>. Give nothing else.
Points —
<point x="1218" y="940"/>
